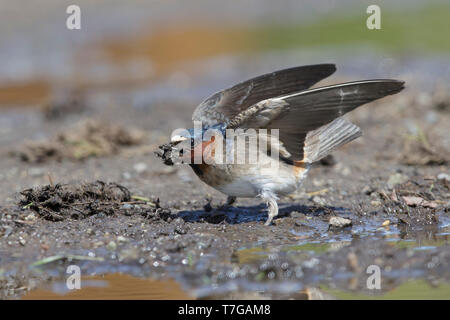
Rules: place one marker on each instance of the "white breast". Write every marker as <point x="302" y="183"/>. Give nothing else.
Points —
<point x="280" y="182"/>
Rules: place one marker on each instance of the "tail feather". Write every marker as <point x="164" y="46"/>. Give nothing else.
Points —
<point x="321" y="142"/>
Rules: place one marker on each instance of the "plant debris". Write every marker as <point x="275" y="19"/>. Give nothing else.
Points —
<point x="75" y="201"/>
<point x="339" y="222"/>
<point x="79" y="201"/>
<point x="417" y="201"/>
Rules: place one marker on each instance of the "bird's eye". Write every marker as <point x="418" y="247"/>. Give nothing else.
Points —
<point x="181" y="152"/>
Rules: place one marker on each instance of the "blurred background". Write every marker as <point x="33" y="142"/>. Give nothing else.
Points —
<point x="139" y="53"/>
<point x="144" y="65"/>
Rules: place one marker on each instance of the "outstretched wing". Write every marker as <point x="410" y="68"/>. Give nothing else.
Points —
<point x="224" y="105"/>
<point x="297" y="114"/>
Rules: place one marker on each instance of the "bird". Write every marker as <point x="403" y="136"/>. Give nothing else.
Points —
<point x="281" y="122"/>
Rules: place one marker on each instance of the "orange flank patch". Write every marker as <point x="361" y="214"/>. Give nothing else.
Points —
<point x="299" y="167"/>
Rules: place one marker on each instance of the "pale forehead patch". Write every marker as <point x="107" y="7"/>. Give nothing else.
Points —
<point x="178" y="138"/>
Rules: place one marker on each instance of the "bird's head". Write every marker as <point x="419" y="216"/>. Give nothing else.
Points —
<point x="185" y="144"/>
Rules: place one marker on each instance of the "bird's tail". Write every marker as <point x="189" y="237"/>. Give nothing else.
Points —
<point x="322" y="141"/>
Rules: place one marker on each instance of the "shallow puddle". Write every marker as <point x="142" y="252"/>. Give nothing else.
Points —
<point x="410" y="290"/>
<point x="111" y="287"/>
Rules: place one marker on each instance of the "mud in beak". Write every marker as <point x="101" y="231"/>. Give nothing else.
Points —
<point x="165" y="153"/>
<point x="170" y="154"/>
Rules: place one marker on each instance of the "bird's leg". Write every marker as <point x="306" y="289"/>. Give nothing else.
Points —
<point x="230" y="200"/>
<point x="271" y="201"/>
<point x="228" y="203"/>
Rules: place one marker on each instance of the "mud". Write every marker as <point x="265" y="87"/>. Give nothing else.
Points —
<point x="85" y="139"/>
<point x="94" y="194"/>
<point x="71" y="201"/>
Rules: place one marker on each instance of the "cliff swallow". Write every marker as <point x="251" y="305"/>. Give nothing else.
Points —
<point x="283" y="128"/>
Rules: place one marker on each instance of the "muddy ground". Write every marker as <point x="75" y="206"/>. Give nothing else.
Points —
<point x="92" y="193"/>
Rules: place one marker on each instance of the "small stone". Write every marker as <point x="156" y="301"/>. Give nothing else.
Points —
<point x="443" y="176"/>
<point x="111" y="245"/>
<point x="127" y="206"/>
<point x="318" y="200"/>
<point x="30" y="217"/>
<point x="395" y="179"/>
<point x="386" y="223"/>
<point x="339" y="222"/>
<point x="122" y="239"/>
<point x="129" y="254"/>
<point x="375" y="203"/>
<point x="22" y="241"/>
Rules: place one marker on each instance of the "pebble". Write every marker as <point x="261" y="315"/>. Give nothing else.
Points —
<point x="339" y="222"/>
<point x="318" y="200"/>
<point x="386" y="223"/>
<point x="375" y="203"/>
<point x="122" y="239"/>
<point x="443" y="176"/>
<point x="30" y="217"/>
<point x="111" y="245"/>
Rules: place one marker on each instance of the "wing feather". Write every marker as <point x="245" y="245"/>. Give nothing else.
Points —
<point x="297" y="114"/>
<point x="224" y="105"/>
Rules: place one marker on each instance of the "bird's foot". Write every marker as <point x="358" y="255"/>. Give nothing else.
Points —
<point x="272" y="205"/>
<point x="228" y="203"/>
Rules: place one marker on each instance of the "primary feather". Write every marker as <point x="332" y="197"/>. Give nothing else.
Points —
<point x="226" y="104"/>
<point x="297" y="114"/>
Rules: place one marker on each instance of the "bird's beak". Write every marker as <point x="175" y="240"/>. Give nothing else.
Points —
<point x="177" y="139"/>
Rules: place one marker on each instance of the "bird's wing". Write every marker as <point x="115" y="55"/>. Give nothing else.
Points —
<point x="297" y="114"/>
<point x="224" y="105"/>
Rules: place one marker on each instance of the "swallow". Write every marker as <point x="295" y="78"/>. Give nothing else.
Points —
<point x="301" y="125"/>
